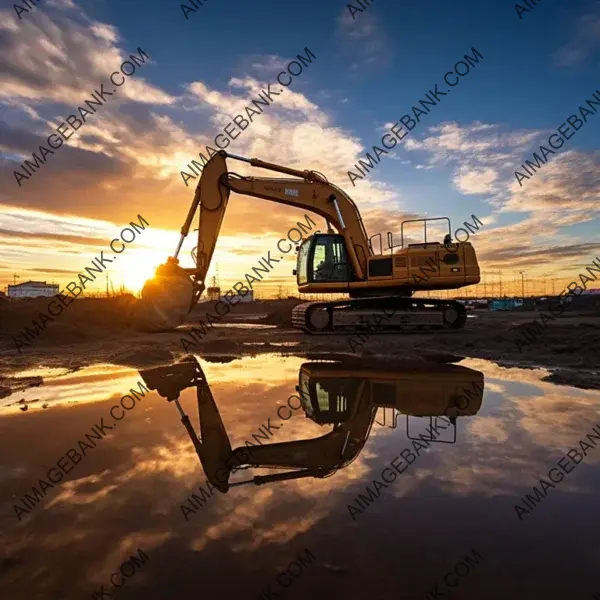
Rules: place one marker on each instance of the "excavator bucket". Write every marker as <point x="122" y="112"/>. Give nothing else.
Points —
<point x="166" y="299"/>
<point x="169" y="296"/>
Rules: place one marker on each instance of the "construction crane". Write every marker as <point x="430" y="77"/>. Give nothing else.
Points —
<point x="340" y="261"/>
<point x="345" y="394"/>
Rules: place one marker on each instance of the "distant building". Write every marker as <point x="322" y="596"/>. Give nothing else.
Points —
<point x="32" y="289"/>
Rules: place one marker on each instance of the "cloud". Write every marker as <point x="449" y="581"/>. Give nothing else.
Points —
<point x="518" y="256"/>
<point x="568" y="186"/>
<point x="479" y="143"/>
<point x="269" y="64"/>
<point x="563" y="193"/>
<point x="226" y="105"/>
<point x="75" y="56"/>
<point x="132" y="151"/>
<point x="44" y="238"/>
<point x="481" y="155"/>
<point x="287" y="132"/>
<point x="363" y="38"/>
<point x="483" y="159"/>
<point x="475" y="181"/>
<point x="55" y="271"/>
<point x="378" y="221"/>
<point x="127" y="159"/>
<point x="586" y="40"/>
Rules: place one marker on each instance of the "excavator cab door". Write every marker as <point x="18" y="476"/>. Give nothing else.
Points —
<point x="323" y="258"/>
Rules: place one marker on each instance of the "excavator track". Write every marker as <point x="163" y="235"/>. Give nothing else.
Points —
<point x="383" y="314"/>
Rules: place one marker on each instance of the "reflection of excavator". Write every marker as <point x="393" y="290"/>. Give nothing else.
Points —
<point x="341" y="394"/>
<point x="342" y="262"/>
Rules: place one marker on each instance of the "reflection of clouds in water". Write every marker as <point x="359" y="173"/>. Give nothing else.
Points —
<point x="492" y="428"/>
<point x="523" y="437"/>
<point x="492" y="386"/>
<point x="272" y="513"/>
<point x="176" y="459"/>
<point x="98" y="572"/>
<point x="101" y="519"/>
<point x="253" y="508"/>
<point x="261" y="512"/>
<point x="71" y="494"/>
<point x="7" y="473"/>
<point x="557" y="422"/>
<point x="89" y="384"/>
<point x="265" y="368"/>
<point x="503" y="450"/>
<point x="494" y="371"/>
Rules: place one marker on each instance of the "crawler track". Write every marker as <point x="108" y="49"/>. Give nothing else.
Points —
<point x="386" y="314"/>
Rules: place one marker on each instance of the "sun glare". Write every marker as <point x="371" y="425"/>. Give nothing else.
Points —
<point x="135" y="270"/>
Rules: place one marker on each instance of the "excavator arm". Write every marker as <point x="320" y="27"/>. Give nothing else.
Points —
<point x="317" y="457"/>
<point x="310" y="190"/>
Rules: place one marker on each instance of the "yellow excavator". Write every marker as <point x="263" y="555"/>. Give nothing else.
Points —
<point x="340" y="261"/>
<point x="345" y="393"/>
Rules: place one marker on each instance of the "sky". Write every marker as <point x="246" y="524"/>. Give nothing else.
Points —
<point x="372" y="65"/>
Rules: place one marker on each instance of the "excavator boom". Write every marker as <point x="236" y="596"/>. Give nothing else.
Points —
<point x="310" y="191"/>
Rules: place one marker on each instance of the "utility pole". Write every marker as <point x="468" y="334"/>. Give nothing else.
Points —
<point x="499" y="273"/>
<point x="15" y="277"/>
<point x="522" y="285"/>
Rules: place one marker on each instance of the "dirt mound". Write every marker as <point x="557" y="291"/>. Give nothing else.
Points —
<point x="65" y="333"/>
<point x="142" y="357"/>
<point x="82" y="320"/>
<point x="218" y="346"/>
<point x="257" y="307"/>
<point x="282" y="314"/>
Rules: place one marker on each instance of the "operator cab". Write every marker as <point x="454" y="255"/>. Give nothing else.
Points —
<point x="322" y="257"/>
<point x="326" y="399"/>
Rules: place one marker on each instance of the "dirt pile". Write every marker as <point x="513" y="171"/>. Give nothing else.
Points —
<point x="257" y="307"/>
<point x="83" y="320"/>
<point x="282" y="314"/>
<point x="276" y="312"/>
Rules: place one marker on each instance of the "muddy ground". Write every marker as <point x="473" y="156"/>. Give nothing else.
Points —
<point x="100" y="331"/>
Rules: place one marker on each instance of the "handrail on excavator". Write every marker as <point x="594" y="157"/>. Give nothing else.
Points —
<point x="424" y="221"/>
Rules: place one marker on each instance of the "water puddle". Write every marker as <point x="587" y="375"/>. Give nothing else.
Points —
<point x="42" y="371"/>
<point x="245" y="325"/>
<point x="250" y="317"/>
<point x="354" y="459"/>
<point x="276" y="344"/>
<point x="59" y="386"/>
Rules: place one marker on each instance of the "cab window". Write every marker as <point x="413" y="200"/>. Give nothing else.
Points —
<point x="302" y="268"/>
<point x="329" y="260"/>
